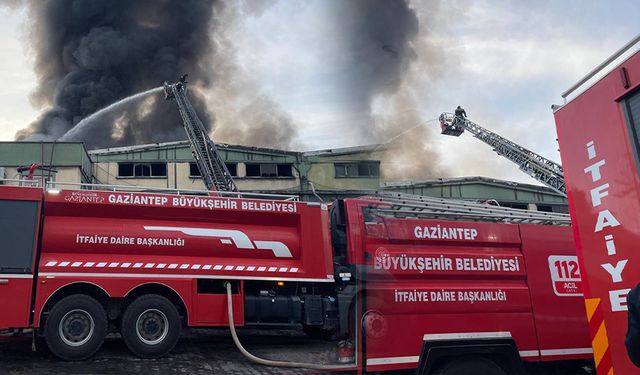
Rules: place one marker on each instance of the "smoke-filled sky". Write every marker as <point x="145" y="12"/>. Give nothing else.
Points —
<point x="325" y="74"/>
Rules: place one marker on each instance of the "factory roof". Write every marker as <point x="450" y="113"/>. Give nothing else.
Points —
<point x="347" y="150"/>
<point x="469" y="180"/>
<point x="184" y="143"/>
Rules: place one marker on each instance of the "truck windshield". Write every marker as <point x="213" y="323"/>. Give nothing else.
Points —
<point x="17" y="232"/>
<point x="631" y="108"/>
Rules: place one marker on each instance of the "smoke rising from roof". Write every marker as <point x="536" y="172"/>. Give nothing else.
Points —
<point x="90" y="54"/>
<point x="244" y="115"/>
<point x="389" y="51"/>
<point x="378" y="44"/>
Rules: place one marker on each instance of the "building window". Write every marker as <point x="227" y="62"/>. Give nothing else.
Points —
<point x="194" y="171"/>
<point x="269" y="170"/>
<point x="361" y="169"/>
<point x="142" y="169"/>
<point x="519" y="206"/>
<point x="544" y="208"/>
<point x="631" y="106"/>
<point x="17" y="229"/>
<point x="233" y="168"/>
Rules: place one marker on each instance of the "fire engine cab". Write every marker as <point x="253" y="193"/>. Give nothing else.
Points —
<point x="599" y="133"/>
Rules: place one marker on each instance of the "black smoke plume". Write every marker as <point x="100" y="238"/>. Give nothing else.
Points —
<point x="390" y="52"/>
<point x="379" y="43"/>
<point x="89" y="54"/>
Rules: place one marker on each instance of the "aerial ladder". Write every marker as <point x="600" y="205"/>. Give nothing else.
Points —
<point x="402" y="205"/>
<point x="538" y="167"/>
<point x="215" y="174"/>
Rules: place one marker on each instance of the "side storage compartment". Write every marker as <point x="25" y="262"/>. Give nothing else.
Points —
<point x="211" y="303"/>
<point x="556" y="293"/>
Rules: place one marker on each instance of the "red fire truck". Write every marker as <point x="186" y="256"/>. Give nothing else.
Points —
<point x="599" y="132"/>
<point x="447" y="286"/>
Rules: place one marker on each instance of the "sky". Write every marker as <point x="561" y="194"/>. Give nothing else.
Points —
<point x="505" y="62"/>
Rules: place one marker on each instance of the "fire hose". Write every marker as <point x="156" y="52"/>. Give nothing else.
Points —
<point x="269" y="362"/>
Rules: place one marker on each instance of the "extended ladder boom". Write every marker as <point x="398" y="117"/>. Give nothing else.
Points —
<point x="214" y="172"/>
<point x="542" y="169"/>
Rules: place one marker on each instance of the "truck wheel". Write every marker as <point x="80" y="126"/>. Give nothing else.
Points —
<point x="76" y="327"/>
<point x="470" y="366"/>
<point x="150" y="326"/>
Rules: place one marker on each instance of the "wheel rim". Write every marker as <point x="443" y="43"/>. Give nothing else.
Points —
<point x="375" y="324"/>
<point x="152" y="326"/>
<point x="76" y="327"/>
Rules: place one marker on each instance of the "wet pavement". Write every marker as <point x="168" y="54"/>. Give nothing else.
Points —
<point x="200" y="351"/>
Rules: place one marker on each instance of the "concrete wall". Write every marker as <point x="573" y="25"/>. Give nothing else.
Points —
<point x="259" y="183"/>
<point x="323" y="176"/>
<point x="70" y="174"/>
<point x="322" y="172"/>
<point x="63" y="174"/>
<point x="11" y="173"/>
<point x="182" y="178"/>
<point x="61" y="156"/>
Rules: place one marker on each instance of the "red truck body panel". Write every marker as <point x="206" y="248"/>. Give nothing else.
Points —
<point x="604" y="199"/>
<point x="429" y="277"/>
<point x="558" y="309"/>
<point x="235" y="241"/>
<point x="122" y="240"/>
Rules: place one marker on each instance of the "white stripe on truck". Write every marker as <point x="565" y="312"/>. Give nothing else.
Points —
<point x="392" y="360"/>
<point x="182" y="266"/>
<point x="466" y="336"/>
<point x="180" y="276"/>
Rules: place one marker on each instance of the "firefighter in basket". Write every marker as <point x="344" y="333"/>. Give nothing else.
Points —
<point x="460" y="115"/>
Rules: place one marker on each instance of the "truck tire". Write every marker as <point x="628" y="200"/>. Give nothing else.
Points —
<point x="150" y="326"/>
<point x="76" y="327"/>
<point x="470" y="366"/>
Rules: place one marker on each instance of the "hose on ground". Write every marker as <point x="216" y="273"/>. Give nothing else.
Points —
<point x="269" y="362"/>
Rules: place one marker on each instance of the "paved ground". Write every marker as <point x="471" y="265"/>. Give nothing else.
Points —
<point x="200" y="351"/>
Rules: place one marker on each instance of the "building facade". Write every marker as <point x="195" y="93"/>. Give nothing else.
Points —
<point x="315" y="175"/>
<point x="57" y="161"/>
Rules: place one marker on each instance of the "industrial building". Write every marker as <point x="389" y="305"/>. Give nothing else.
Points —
<point x="325" y="174"/>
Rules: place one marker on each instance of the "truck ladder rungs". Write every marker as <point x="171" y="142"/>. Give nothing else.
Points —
<point x="407" y="205"/>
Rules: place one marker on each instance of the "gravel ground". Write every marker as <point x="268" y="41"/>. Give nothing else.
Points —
<point x="200" y="351"/>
